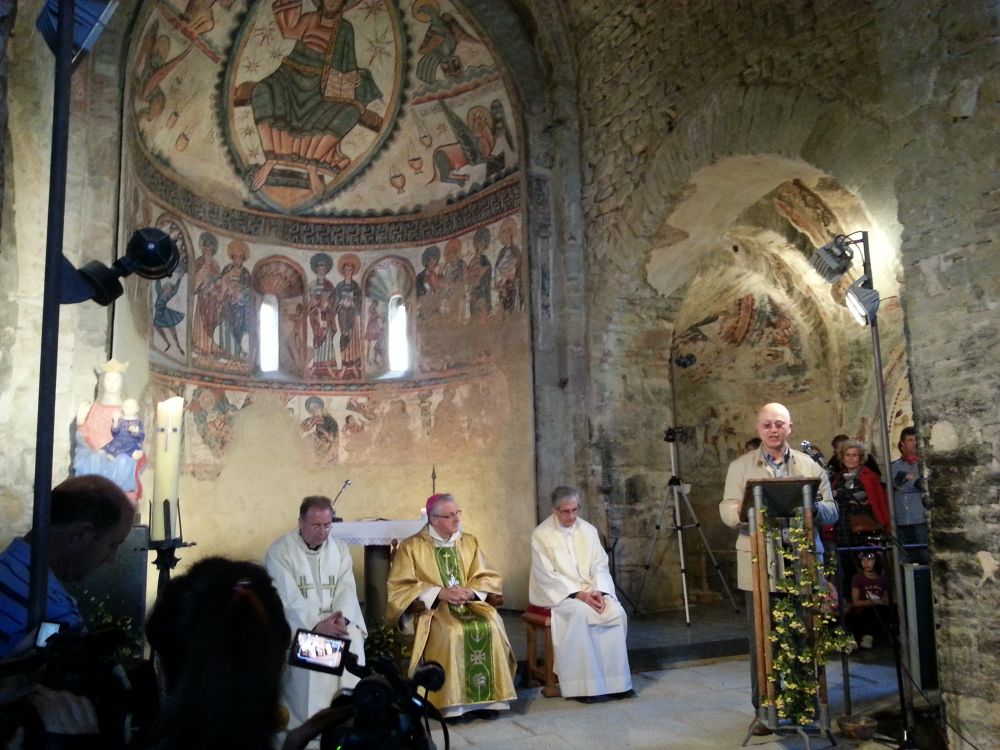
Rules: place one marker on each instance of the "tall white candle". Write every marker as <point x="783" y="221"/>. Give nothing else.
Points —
<point x="166" y="473"/>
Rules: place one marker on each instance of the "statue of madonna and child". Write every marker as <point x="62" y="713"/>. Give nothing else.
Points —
<point x="109" y="433"/>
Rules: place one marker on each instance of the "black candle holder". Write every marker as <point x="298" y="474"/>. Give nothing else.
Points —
<point x="166" y="559"/>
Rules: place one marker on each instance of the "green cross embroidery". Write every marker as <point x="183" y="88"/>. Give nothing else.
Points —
<point x="305" y="588"/>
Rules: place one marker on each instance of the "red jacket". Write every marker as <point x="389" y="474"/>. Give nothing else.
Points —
<point x="876" y="495"/>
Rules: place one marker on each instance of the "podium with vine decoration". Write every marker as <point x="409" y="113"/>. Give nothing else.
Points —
<point x="795" y="628"/>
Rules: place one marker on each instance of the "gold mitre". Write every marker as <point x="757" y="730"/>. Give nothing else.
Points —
<point x="113" y="365"/>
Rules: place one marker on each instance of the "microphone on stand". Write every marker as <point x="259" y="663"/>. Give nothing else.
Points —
<point x="347" y="483"/>
<point x="814" y="453"/>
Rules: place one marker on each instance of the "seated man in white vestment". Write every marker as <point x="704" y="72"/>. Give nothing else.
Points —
<point x="570" y="576"/>
<point x="315" y="579"/>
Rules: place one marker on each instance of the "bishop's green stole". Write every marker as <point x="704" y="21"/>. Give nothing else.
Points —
<point x="476" y="632"/>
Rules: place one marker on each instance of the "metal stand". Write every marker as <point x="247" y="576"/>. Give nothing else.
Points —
<point x="679" y="491"/>
<point x="768" y="496"/>
<point x="610" y="550"/>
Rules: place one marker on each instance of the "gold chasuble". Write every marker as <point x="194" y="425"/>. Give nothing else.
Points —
<point x="469" y="641"/>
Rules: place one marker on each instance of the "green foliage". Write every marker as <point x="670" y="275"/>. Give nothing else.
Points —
<point x="385" y="640"/>
<point x="98" y="614"/>
<point x="804" y="629"/>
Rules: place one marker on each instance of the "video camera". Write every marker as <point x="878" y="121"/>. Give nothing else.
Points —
<point x="851" y="492"/>
<point x="383" y="711"/>
<point x="85" y="665"/>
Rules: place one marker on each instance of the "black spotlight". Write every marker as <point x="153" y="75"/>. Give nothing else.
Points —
<point x="151" y="253"/>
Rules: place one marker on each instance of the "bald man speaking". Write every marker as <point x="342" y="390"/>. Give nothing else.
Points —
<point x="773" y="460"/>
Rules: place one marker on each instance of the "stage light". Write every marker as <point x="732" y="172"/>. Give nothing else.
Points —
<point x="862" y="301"/>
<point x="833" y="259"/>
<point x="90" y="19"/>
<point x="151" y="253"/>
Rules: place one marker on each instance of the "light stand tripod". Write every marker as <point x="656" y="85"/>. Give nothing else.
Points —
<point x="679" y="491"/>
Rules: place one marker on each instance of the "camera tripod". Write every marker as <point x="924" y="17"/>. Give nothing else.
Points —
<point x="679" y="492"/>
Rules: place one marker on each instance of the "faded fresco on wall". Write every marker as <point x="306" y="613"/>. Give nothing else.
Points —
<point x="342" y="178"/>
<point x="745" y="347"/>
<point x="319" y="108"/>
<point x="336" y="313"/>
<point x="462" y="319"/>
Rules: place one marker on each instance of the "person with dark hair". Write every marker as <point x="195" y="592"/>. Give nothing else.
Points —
<point x="751" y="445"/>
<point x="441" y="589"/>
<point x="570" y="576"/>
<point x="870" y="610"/>
<point x="90" y="518"/>
<point x="220" y="636"/>
<point x="315" y="579"/>
<point x="908" y="498"/>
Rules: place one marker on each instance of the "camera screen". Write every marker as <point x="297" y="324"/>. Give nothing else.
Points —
<point x="322" y="653"/>
<point x="45" y="631"/>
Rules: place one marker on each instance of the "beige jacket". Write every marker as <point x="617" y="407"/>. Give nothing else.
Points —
<point x="753" y="466"/>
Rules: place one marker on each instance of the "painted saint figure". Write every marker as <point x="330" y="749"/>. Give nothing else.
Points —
<point x="318" y="94"/>
<point x="323" y="430"/>
<point x="322" y="317"/>
<point x="206" y="295"/>
<point x="348" y="311"/>
<point x="480" y="274"/>
<point x="438" y="48"/>
<point x="453" y="278"/>
<point x="212" y="412"/>
<point x="234" y="310"/>
<point x="508" y="269"/>
<point x="166" y="319"/>
<point x="375" y="336"/>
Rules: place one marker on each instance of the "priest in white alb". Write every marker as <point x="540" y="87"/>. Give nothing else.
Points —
<point x="570" y="576"/>
<point x="315" y="579"/>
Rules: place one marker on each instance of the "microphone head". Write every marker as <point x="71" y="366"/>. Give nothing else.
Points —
<point x="347" y="481"/>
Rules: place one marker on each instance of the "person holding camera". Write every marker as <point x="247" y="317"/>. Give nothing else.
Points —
<point x="314" y="576"/>
<point x="908" y="497"/>
<point x="90" y="518"/>
<point x="441" y="590"/>
<point x="220" y="638"/>
<point x="864" y="508"/>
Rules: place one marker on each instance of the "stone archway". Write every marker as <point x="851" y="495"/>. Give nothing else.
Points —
<point x="746" y="320"/>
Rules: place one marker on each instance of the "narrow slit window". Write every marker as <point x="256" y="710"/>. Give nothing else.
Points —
<point x="399" y="346"/>
<point x="269" y="334"/>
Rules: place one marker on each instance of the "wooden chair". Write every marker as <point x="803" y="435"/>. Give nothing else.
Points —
<point x="535" y="619"/>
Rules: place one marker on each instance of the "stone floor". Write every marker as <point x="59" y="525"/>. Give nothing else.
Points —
<point x="702" y="704"/>
<point x="682" y="700"/>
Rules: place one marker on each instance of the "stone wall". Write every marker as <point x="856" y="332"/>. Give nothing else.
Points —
<point x="949" y="197"/>
<point x="895" y="101"/>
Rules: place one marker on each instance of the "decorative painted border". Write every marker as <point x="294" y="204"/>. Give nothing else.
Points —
<point x="500" y="199"/>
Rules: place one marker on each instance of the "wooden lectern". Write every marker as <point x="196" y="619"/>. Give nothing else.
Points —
<point x="765" y="503"/>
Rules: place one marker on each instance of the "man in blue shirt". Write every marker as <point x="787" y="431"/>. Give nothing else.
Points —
<point x="908" y="496"/>
<point x="90" y="518"/>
